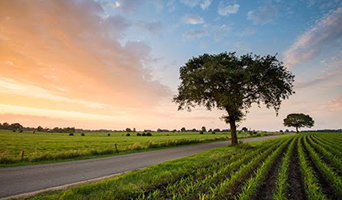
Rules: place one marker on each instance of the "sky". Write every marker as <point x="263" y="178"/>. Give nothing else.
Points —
<point x="114" y="64"/>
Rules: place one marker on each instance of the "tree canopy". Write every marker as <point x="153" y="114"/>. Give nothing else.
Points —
<point x="231" y="83"/>
<point x="298" y="120"/>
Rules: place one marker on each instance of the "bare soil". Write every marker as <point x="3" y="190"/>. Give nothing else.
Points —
<point x="296" y="188"/>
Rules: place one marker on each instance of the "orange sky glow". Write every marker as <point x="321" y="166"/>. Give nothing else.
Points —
<point x="63" y="64"/>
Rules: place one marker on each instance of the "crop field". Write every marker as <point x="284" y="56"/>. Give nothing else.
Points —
<point x="42" y="146"/>
<point x="304" y="166"/>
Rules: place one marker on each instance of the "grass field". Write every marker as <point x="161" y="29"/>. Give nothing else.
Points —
<point x="39" y="147"/>
<point x="304" y="166"/>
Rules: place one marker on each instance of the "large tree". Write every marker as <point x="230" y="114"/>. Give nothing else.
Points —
<point x="298" y="120"/>
<point x="231" y="83"/>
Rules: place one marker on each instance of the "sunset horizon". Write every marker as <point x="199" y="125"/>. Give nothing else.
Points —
<point x="114" y="65"/>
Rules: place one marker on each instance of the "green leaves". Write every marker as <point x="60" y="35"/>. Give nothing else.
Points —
<point x="298" y="120"/>
<point x="233" y="83"/>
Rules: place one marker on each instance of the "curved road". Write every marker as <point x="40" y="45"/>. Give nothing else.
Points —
<point x="27" y="180"/>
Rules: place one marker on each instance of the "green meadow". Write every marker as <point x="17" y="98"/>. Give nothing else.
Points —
<point x="50" y="147"/>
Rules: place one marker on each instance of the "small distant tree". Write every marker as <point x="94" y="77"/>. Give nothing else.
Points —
<point x="201" y="132"/>
<point x="40" y="129"/>
<point x="5" y="125"/>
<point x="244" y="129"/>
<point x="298" y="120"/>
<point x="204" y="129"/>
<point x="128" y="130"/>
<point x="183" y="129"/>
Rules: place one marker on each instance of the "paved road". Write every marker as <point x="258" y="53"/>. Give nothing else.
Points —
<point x="29" y="179"/>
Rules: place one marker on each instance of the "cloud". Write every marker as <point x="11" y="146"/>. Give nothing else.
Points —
<point x="225" y="10"/>
<point x="320" y="79"/>
<point x="199" y="33"/>
<point x="247" y="31"/>
<point x="263" y="15"/>
<point x="333" y="105"/>
<point x="127" y="6"/>
<point x="218" y="32"/>
<point x="65" y="56"/>
<point x="190" y="3"/>
<point x="323" y="36"/>
<point x="193" y="19"/>
<point x="154" y="27"/>
<point x="115" y="4"/>
<point x="171" y="5"/>
<point x="11" y="86"/>
<point x="205" y="4"/>
<point x="159" y="4"/>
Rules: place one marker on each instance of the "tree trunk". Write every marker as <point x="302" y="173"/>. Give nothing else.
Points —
<point x="233" y="132"/>
<point x="297" y="129"/>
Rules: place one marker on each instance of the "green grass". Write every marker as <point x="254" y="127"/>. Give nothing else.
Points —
<point x="43" y="147"/>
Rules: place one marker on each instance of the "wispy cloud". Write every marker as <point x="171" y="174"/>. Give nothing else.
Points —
<point x="193" y="19"/>
<point x="80" y="54"/>
<point x="263" y="15"/>
<point x="127" y="6"/>
<point x="154" y="27"/>
<point x="217" y="32"/>
<point x="226" y="9"/>
<point x="11" y="86"/>
<point x="325" y="34"/>
<point x="248" y="31"/>
<point x="205" y="4"/>
<point x="195" y="33"/>
<point x="320" y="79"/>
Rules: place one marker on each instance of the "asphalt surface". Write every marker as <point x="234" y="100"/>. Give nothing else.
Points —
<point x="26" y="180"/>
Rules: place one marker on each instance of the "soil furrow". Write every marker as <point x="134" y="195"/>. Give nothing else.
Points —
<point x="296" y="188"/>
<point x="268" y="186"/>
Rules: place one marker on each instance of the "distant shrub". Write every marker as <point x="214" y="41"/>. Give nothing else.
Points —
<point x="128" y="134"/>
<point x="82" y="134"/>
<point x="108" y="134"/>
<point x="167" y="134"/>
<point x="14" y="130"/>
<point x="71" y="134"/>
<point x="201" y="132"/>
<point x="34" y="131"/>
<point x="143" y="134"/>
<point x="213" y="132"/>
<point x="138" y="134"/>
<point x="258" y="134"/>
<point x="148" y="134"/>
<point x="21" y="131"/>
